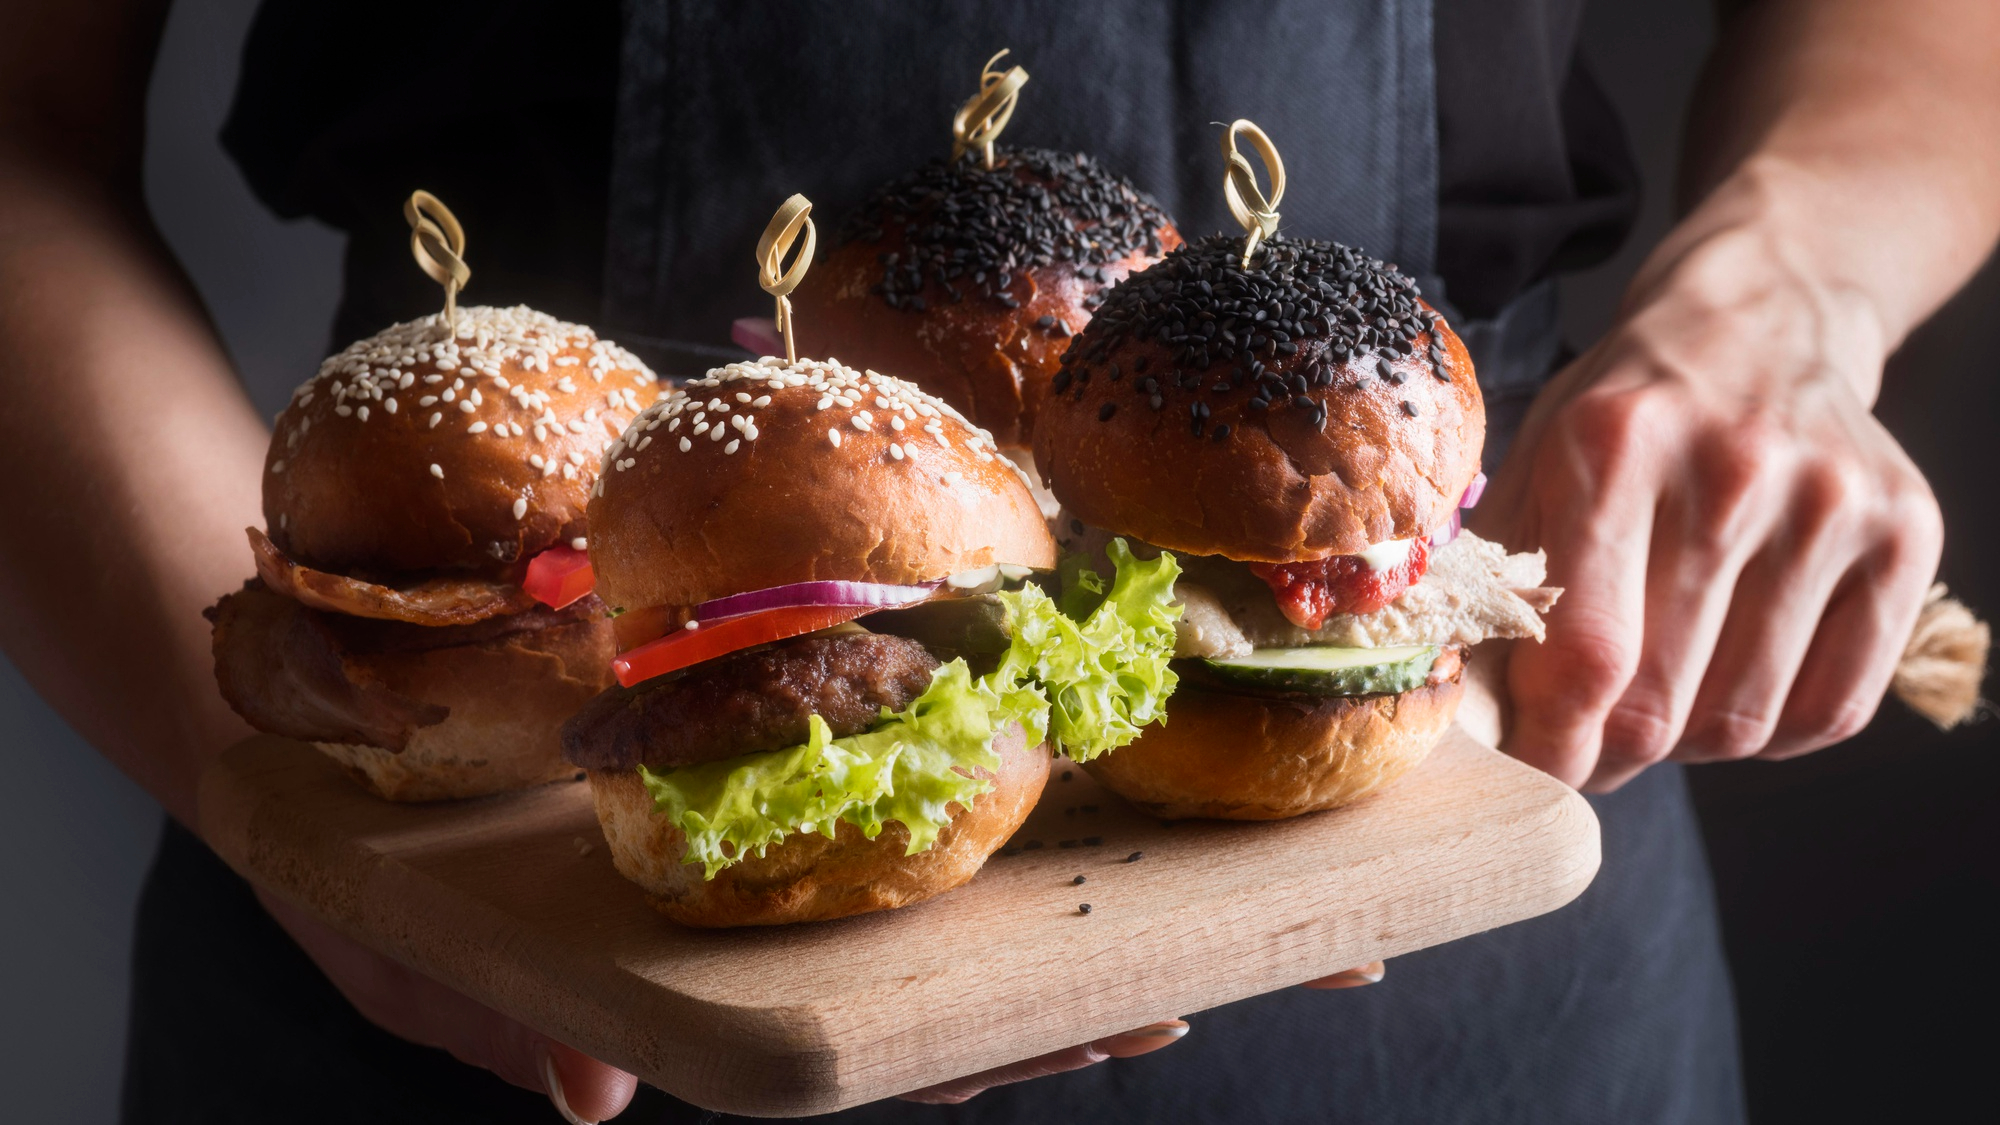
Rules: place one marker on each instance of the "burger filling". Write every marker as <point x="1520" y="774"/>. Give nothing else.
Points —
<point x="891" y="715"/>
<point x="1309" y="592"/>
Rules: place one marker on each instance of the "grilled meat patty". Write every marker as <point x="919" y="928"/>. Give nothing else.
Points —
<point x="749" y="701"/>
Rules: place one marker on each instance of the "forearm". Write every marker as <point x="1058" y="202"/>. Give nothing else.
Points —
<point x="1856" y="144"/>
<point x="131" y="446"/>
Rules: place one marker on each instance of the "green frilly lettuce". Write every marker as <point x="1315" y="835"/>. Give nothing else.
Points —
<point x="1091" y="681"/>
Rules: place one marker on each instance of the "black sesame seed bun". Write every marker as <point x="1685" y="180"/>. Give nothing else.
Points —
<point x="820" y="472"/>
<point x="1310" y="406"/>
<point x="806" y="877"/>
<point x="420" y="450"/>
<point x="1248" y="757"/>
<point x="970" y="283"/>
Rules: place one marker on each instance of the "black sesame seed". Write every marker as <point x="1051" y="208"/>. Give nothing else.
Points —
<point x="1105" y="412"/>
<point x="1083" y="908"/>
<point x="1075" y="528"/>
<point x="1076" y="882"/>
<point x="1060" y="383"/>
<point x="1221" y="432"/>
<point x="1045" y="322"/>
<point x="1409" y="408"/>
<point x="1135" y="857"/>
<point x="1067" y="773"/>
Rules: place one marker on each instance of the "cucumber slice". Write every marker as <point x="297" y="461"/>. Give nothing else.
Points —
<point x="1325" y="670"/>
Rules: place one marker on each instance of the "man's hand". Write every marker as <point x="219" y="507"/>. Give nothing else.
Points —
<point x="1743" y="548"/>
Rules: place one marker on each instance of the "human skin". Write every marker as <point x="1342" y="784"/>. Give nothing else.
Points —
<point x="1833" y="218"/>
<point x="1744" y="548"/>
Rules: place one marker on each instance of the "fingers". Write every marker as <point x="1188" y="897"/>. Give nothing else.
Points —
<point x="413" y="1006"/>
<point x="1598" y="462"/>
<point x="1370" y="973"/>
<point x="1852" y="659"/>
<point x="1126" y="1045"/>
<point x="1824" y="614"/>
<point x="1709" y="523"/>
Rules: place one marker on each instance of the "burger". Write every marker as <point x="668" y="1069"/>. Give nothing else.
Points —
<point x="422" y="609"/>
<point x="841" y="672"/>
<point x="1301" y="432"/>
<point x="971" y="280"/>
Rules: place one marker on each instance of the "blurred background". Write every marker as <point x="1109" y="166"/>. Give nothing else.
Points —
<point x="1850" y="880"/>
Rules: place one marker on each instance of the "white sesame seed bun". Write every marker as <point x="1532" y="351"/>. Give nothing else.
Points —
<point x="418" y="449"/>
<point x="811" y="479"/>
<point x="1236" y="756"/>
<point x="807" y="877"/>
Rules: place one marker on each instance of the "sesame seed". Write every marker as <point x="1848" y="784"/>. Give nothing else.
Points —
<point x="860" y="421"/>
<point x="277" y="466"/>
<point x="437" y="470"/>
<point x="686" y="445"/>
<point x="476" y="428"/>
<point x="465" y="404"/>
<point x="435" y="419"/>
<point x="362" y="413"/>
<point x="579" y="544"/>
<point x="1083" y="908"/>
<point x="895" y="422"/>
<point x="895" y="451"/>
<point x="732" y="446"/>
<point x="389" y="405"/>
<point x="520" y="507"/>
<point x="834" y="437"/>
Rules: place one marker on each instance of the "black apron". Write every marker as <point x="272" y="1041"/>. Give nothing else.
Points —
<point x="1613" y="1009"/>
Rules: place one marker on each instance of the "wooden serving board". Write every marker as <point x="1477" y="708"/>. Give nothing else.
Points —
<point x="513" y="899"/>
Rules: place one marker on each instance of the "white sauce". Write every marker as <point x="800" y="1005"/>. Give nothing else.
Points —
<point x="1386" y="554"/>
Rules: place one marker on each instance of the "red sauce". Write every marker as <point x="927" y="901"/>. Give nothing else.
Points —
<point x="1310" y="592"/>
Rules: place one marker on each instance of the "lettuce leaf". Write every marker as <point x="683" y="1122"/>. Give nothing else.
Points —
<point x="1104" y="667"/>
<point x="1092" y="681"/>
<point x="906" y="769"/>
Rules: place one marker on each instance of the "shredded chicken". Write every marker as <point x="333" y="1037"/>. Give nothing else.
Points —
<point x="1474" y="591"/>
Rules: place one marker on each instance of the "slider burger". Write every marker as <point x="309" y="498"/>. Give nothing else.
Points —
<point x="1301" y="432"/>
<point x="837" y="683"/>
<point x="422" y="607"/>
<point x="970" y="275"/>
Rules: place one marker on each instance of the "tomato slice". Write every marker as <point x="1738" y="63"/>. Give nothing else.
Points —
<point x="684" y="647"/>
<point x="559" y="576"/>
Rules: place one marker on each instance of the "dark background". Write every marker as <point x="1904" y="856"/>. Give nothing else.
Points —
<point x="1850" y="881"/>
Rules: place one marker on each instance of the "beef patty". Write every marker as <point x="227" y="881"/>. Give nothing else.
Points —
<point x="751" y="701"/>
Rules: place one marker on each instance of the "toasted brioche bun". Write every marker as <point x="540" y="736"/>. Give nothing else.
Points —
<point x="508" y="700"/>
<point x="1246" y="757"/>
<point x="991" y="362"/>
<point x="955" y="336"/>
<point x="372" y="470"/>
<point x="807" y="877"/>
<point x="1343" y="459"/>
<point x="799" y="492"/>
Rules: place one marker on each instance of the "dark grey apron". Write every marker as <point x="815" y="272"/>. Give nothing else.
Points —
<point x="1616" y="1008"/>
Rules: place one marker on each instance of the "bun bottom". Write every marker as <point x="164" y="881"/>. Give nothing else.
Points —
<point x="508" y="701"/>
<point x="807" y="877"/>
<point x="1247" y="757"/>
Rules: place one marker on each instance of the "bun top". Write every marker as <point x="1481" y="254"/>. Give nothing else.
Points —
<point x="970" y="282"/>
<point x="768" y="473"/>
<point x="421" y="449"/>
<point x="1308" y="406"/>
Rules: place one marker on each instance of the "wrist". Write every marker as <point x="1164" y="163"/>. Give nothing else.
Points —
<point x="1765" y="283"/>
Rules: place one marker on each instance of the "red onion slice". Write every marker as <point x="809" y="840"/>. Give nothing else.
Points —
<point x="1473" y="492"/>
<point x="1448" y="532"/>
<point x="757" y="335"/>
<point x="872" y="594"/>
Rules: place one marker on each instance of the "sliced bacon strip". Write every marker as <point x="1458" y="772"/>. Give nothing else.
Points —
<point x="284" y="671"/>
<point x="438" y="601"/>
